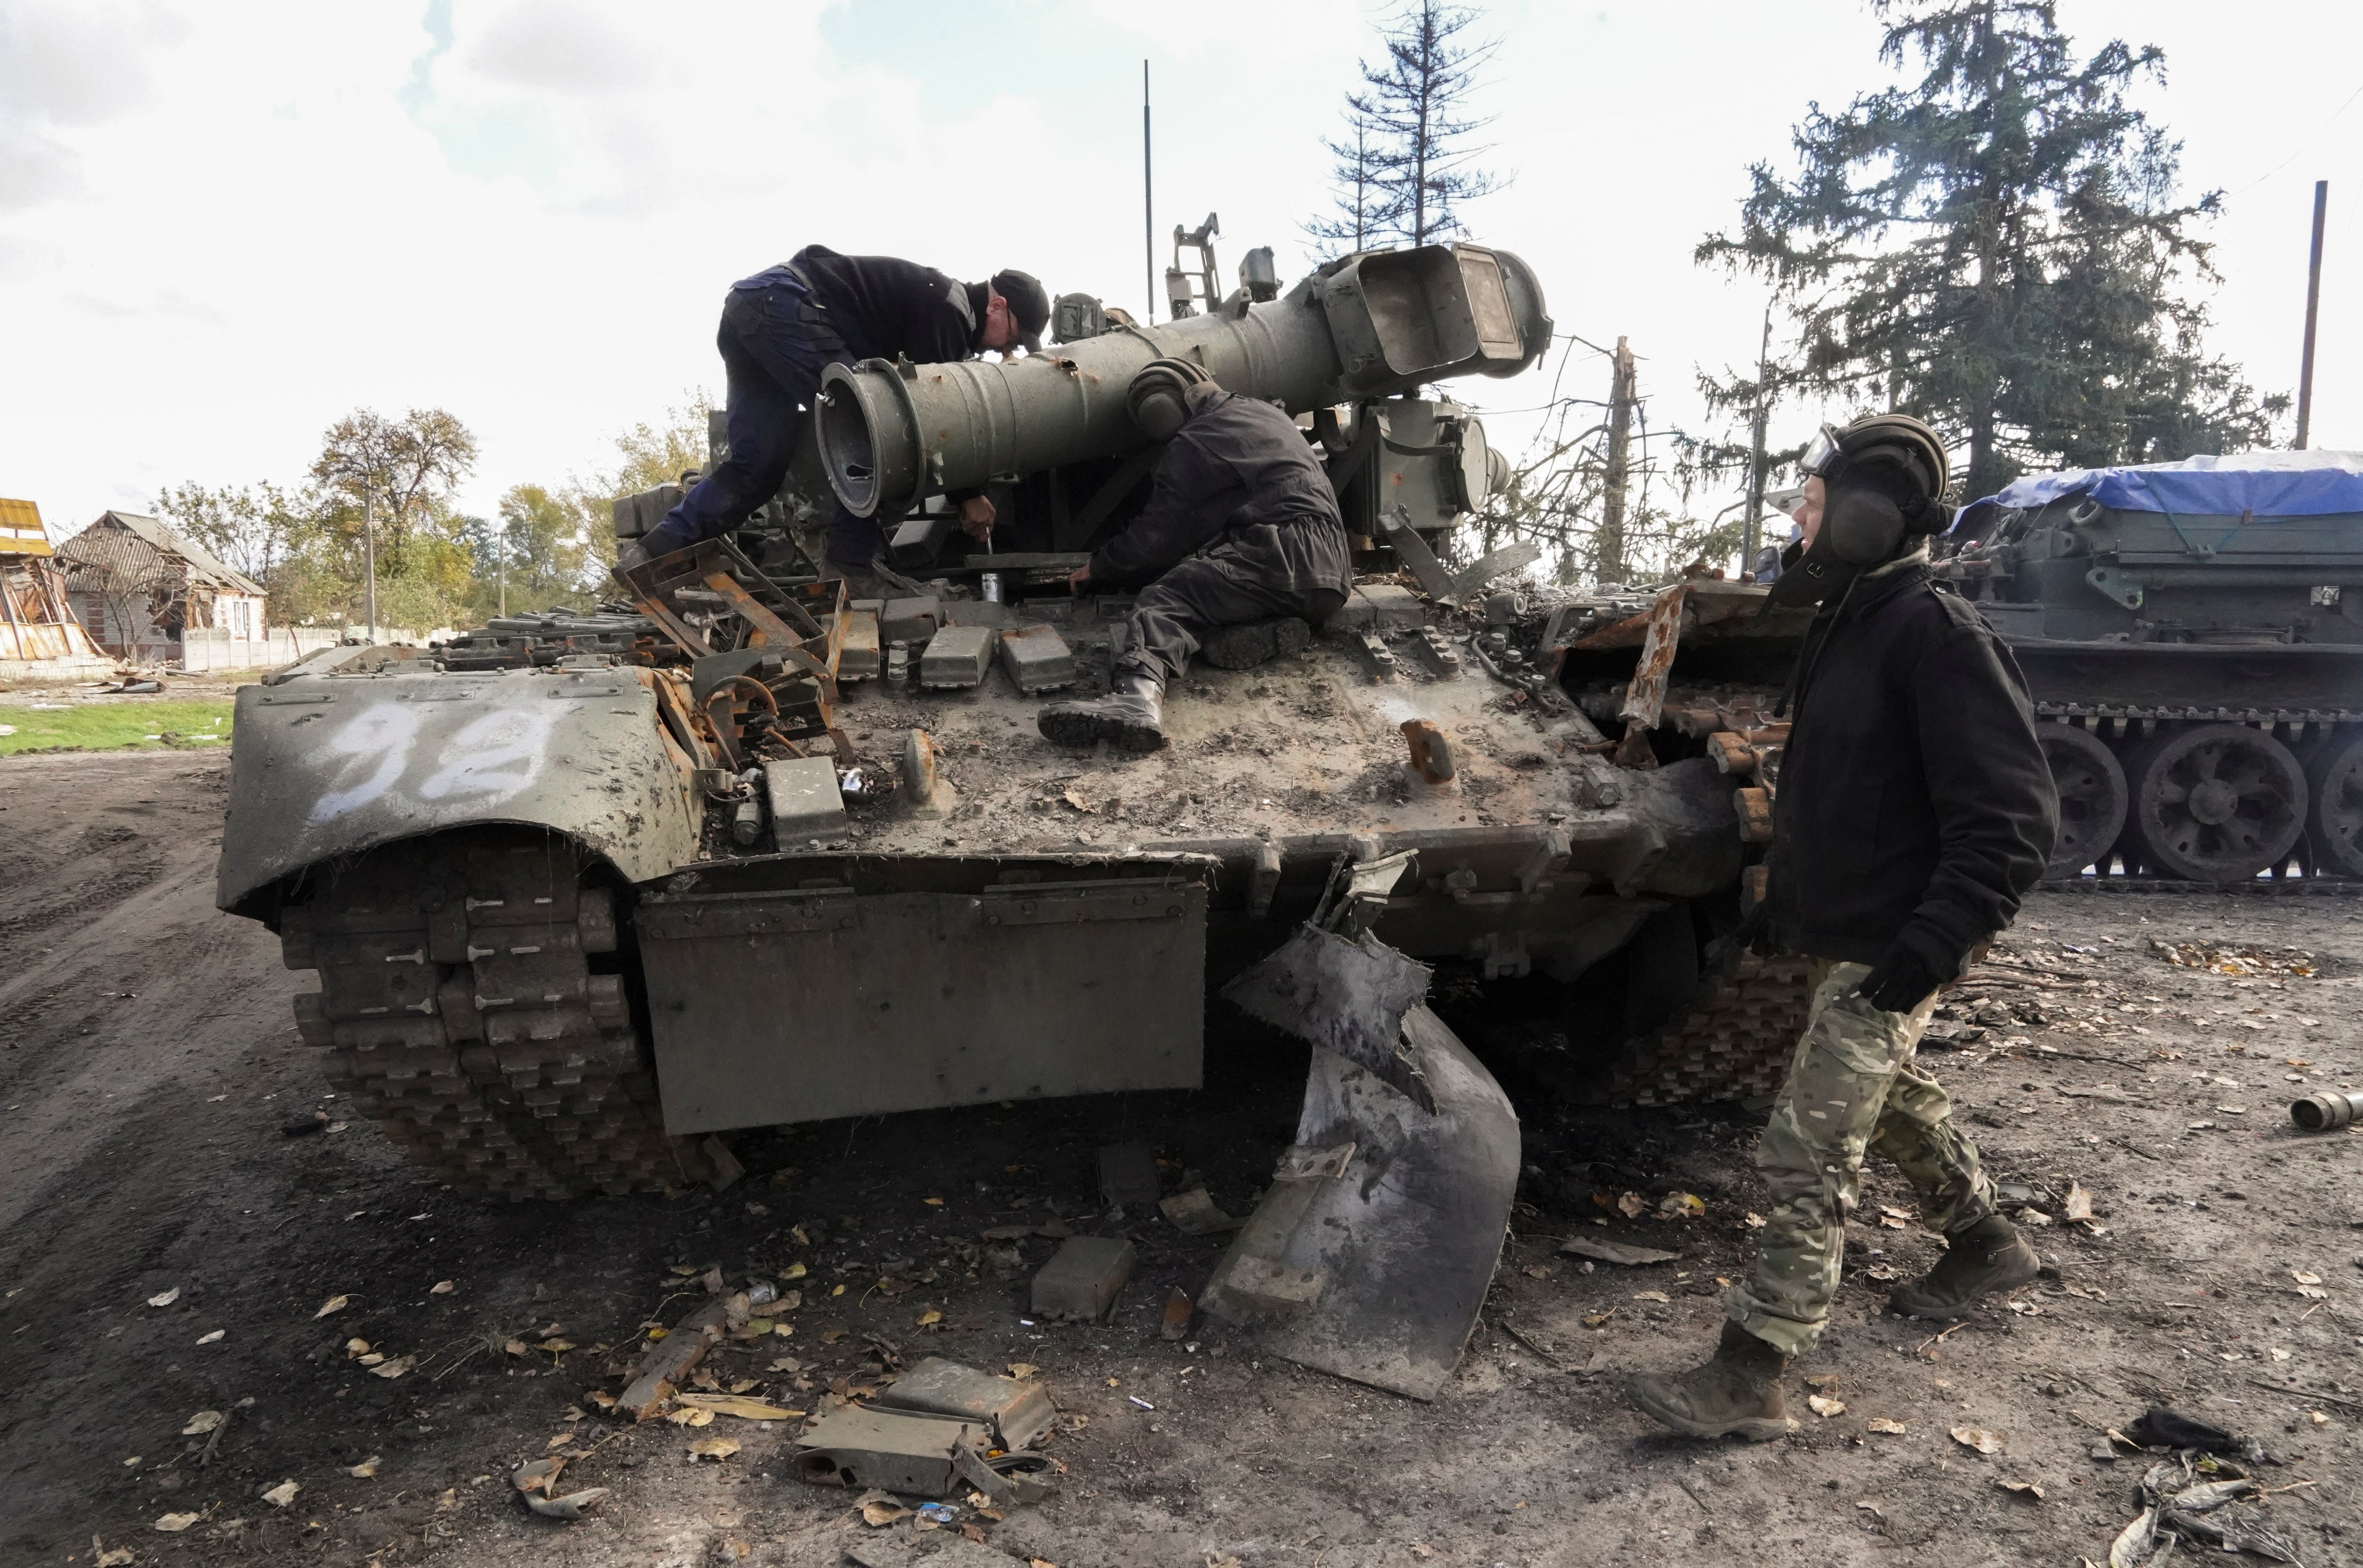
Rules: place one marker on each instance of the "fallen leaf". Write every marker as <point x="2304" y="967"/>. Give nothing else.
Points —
<point x="601" y="1397"/>
<point x="1632" y="1205"/>
<point x="2304" y="1278"/>
<point x="201" y="1423"/>
<point x="395" y="1368"/>
<point x="1682" y="1206"/>
<point x="1979" y="1439"/>
<point x="364" y="1470"/>
<point x="1650" y="1295"/>
<point x="793" y="1271"/>
<point x="883" y="1511"/>
<point x="561" y="1440"/>
<point x="1825" y="1408"/>
<point x="1023" y="1370"/>
<point x="928" y="1316"/>
<point x="712" y="1448"/>
<point x="166" y="1299"/>
<point x="101" y="1557"/>
<point x="279" y="1496"/>
<point x="518" y="1347"/>
<point x="932" y="1202"/>
<point x="1594" y="1319"/>
<point x="2024" y="1489"/>
<point x="555" y="1347"/>
<point x="174" y="1523"/>
<point x="441" y="1287"/>
<point x="733" y="1404"/>
<point x="334" y="1304"/>
<point x="691" y="1416"/>
<point x="214" y="1338"/>
<point x="372" y="1358"/>
<point x="1881" y="1424"/>
<point x="357" y="1348"/>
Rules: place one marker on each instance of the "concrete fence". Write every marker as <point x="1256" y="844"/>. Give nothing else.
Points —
<point x="209" y="648"/>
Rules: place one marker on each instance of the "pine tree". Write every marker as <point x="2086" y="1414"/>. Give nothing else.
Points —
<point x="1996" y="248"/>
<point x="1409" y="165"/>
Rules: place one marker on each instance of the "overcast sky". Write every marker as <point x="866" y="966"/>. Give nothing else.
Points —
<point x="224" y="226"/>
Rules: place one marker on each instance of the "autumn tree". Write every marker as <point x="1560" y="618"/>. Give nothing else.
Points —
<point x="403" y="470"/>
<point x="1995" y="246"/>
<point x="252" y="530"/>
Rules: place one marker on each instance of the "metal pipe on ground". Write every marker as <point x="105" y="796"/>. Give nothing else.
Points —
<point x="2325" y="1112"/>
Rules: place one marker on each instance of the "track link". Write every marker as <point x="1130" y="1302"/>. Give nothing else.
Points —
<point x="1732" y="1043"/>
<point x="460" y="1010"/>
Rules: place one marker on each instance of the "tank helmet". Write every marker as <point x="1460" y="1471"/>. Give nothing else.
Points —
<point x="1158" y="398"/>
<point x="1883" y="478"/>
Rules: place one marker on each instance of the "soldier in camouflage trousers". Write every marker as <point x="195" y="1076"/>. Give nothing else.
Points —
<point x="1914" y="810"/>
<point x="1852" y="1086"/>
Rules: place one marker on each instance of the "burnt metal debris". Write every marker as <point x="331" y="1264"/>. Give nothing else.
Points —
<point x="587" y="891"/>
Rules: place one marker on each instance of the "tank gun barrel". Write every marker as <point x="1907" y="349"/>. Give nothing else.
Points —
<point x="1375" y="324"/>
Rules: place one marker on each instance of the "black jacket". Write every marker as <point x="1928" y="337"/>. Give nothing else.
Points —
<point x="1914" y="807"/>
<point x="883" y="305"/>
<point x="1238" y="463"/>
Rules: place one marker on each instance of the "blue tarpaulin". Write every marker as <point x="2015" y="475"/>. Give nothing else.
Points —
<point x="2269" y="484"/>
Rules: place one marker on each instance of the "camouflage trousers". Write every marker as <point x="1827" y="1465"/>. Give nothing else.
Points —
<point x="1852" y="1086"/>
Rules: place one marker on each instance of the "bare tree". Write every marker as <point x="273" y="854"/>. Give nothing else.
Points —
<point x="1413" y="126"/>
<point x="1367" y="205"/>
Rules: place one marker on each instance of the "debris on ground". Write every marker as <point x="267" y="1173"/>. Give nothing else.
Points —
<point x="1616" y="1252"/>
<point x="670" y="1361"/>
<point x="2243" y="961"/>
<point x="1128" y="1175"/>
<point x="1193" y="1212"/>
<point x="1083" y="1278"/>
<point x="2163" y="1427"/>
<point x="1015" y="1412"/>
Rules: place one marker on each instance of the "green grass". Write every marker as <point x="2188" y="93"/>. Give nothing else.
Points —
<point x="114" y="725"/>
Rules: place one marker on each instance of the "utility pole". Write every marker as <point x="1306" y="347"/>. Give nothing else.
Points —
<point x="1755" y="448"/>
<point x="368" y="561"/>
<point x="1620" y="436"/>
<point x="502" y="539"/>
<point x="2313" y="304"/>
<point x="1147" y="207"/>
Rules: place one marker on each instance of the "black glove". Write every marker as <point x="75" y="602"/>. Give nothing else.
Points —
<point x="1901" y="981"/>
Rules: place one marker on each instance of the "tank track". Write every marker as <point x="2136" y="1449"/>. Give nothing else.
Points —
<point x="1732" y="1043"/>
<point x="460" y="1011"/>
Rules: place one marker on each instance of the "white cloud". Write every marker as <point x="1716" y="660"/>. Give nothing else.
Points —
<point x="221" y="227"/>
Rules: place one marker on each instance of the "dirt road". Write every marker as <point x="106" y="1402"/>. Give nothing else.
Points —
<point x="147" y="1064"/>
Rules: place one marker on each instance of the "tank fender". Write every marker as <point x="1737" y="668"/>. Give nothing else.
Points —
<point x="330" y="765"/>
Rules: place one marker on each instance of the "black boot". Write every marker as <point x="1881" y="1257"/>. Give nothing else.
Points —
<point x="1737" y="1394"/>
<point x="1132" y="715"/>
<point x="1979" y="1260"/>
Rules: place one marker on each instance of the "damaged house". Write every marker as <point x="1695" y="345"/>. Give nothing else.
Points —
<point x="147" y="594"/>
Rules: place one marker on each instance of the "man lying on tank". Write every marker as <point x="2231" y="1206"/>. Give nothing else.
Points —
<point x="782" y="327"/>
<point x="1241" y="545"/>
<point x="1914" y="811"/>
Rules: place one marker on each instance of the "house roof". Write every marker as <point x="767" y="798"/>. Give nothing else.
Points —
<point x="202" y="565"/>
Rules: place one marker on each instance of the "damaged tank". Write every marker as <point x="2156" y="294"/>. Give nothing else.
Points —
<point x="2192" y="636"/>
<point x="586" y="893"/>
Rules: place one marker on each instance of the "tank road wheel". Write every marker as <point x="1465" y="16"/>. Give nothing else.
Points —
<point x="460" y="1010"/>
<point x="2091" y="797"/>
<point x="2333" y="815"/>
<point x="2215" y="802"/>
